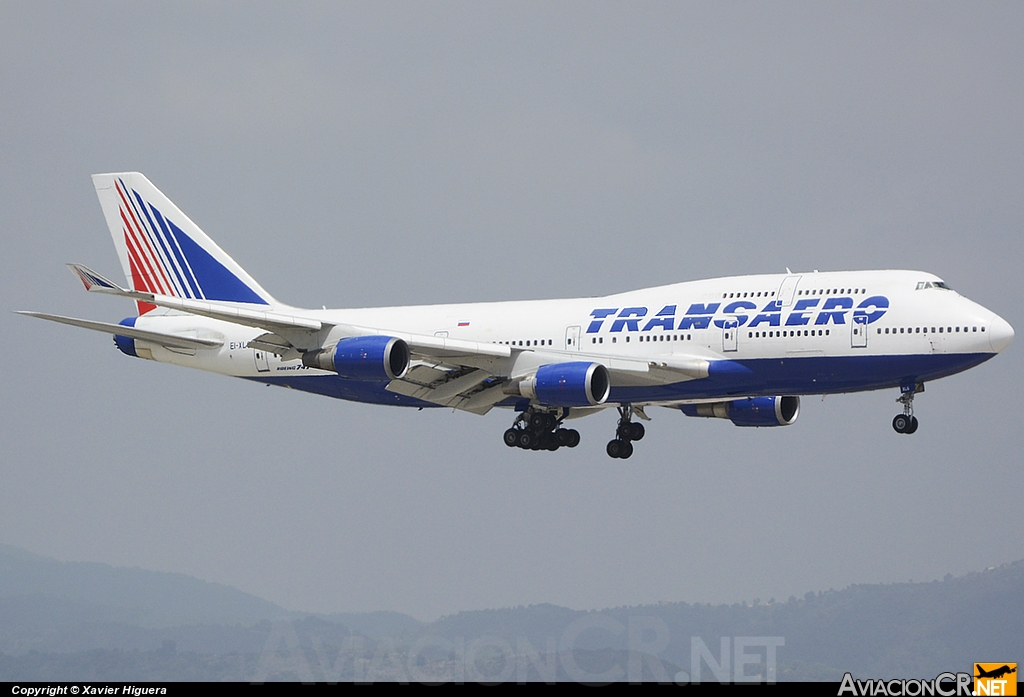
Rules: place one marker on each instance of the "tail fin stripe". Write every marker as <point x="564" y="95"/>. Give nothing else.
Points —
<point x="146" y="266"/>
<point x="150" y="264"/>
<point x="140" y="276"/>
<point x="142" y="307"/>
<point x="188" y="279"/>
<point x="157" y="243"/>
<point x="144" y="280"/>
<point x="145" y="240"/>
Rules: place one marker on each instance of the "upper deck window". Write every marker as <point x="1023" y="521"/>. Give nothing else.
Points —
<point x="921" y="285"/>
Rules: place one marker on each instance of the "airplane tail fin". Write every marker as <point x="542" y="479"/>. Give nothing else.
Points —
<point x="162" y="251"/>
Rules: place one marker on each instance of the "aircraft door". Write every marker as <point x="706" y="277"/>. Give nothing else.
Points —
<point x="859" y="332"/>
<point x="730" y="333"/>
<point x="572" y="338"/>
<point x="787" y="290"/>
<point x="262" y="361"/>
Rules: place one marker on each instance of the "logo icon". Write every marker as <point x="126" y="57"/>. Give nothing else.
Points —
<point x="995" y="679"/>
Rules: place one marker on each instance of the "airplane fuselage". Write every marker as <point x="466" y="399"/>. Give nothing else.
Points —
<point x="792" y="334"/>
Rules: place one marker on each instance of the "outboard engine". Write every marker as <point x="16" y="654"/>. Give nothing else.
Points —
<point x="367" y="358"/>
<point x="752" y="411"/>
<point x="575" y="384"/>
<point x="126" y="344"/>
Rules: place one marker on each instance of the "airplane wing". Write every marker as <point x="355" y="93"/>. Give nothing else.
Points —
<point x="161" y="338"/>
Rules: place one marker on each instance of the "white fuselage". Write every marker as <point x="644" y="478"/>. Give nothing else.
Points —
<point x="808" y="333"/>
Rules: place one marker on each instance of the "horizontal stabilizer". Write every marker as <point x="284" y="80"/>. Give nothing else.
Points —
<point x="172" y="340"/>
<point x="245" y="314"/>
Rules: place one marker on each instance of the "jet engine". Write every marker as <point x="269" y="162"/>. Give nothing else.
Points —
<point x="366" y="358"/>
<point x="575" y="384"/>
<point x="126" y="344"/>
<point x="752" y="411"/>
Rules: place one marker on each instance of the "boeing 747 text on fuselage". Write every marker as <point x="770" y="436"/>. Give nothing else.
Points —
<point x="743" y="348"/>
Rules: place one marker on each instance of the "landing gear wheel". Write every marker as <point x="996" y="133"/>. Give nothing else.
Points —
<point x="511" y="437"/>
<point x="913" y="425"/>
<point x="537" y="421"/>
<point x="614" y="448"/>
<point x="625" y="431"/>
<point x="573" y="438"/>
<point x="526" y="439"/>
<point x="636" y="431"/>
<point x="627" y="450"/>
<point x="901" y="423"/>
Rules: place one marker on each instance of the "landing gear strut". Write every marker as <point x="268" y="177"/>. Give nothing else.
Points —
<point x="907" y="422"/>
<point x="626" y="432"/>
<point x="540" y="430"/>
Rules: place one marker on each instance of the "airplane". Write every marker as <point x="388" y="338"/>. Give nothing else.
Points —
<point x="742" y="348"/>
<point x="996" y="672"/>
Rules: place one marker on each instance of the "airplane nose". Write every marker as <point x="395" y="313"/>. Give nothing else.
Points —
<point x="1000" y="334"/>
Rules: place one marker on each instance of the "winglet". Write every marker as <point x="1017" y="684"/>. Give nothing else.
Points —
<point x="94" y="282"/>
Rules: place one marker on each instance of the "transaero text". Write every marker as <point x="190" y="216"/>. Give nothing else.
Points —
<point x="806" y="311"/>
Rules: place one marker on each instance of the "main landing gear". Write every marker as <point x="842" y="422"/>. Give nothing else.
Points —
<point x="540" y="430"/>
<point x="626" y="432"/>
<point x="907" y="422"/>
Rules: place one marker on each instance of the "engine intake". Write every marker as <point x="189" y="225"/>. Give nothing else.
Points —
<point x="365" y="358"/>
<point x="753" y="411"/>
<point x="576" y="384"/>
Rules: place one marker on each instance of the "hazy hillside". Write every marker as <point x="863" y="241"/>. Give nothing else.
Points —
<point x="76" y="620"/>
<point x="145" y="598"/>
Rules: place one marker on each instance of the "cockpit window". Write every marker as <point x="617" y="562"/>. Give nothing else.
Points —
<point x="921" y="285"/>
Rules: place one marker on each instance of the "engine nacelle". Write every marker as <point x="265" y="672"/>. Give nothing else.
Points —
<point x="365" y="358"/>
<point x="126" y="344"/>
<point x="753" y="411"/>
<point x="575" y="384"/>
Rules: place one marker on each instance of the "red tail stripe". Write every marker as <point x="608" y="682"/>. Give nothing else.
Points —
<point x="140" y="277"/>
<point x="152" y="260"/>
<point x="142" y="307"/>
<point x="145" y="268"/>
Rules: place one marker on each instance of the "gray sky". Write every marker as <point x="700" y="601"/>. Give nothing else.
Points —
<point x="376" y="154"/>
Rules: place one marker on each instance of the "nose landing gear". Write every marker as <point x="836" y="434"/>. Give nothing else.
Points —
<point x="626" y="432"/>
<point x="906" y="422"/>
<point x="540" y="430"/>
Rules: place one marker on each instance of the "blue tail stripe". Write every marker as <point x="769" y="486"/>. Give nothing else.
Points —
<point x="184" y="273"/>
<point x="171" y="266"/>
<point x="214" y="278"/>
<point x="150" y="228"/>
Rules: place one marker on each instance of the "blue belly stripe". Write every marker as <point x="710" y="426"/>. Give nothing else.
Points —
<point x="727" y="378"/>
